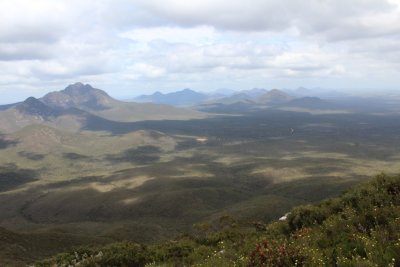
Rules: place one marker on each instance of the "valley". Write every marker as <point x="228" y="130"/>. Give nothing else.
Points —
<point x="144" y="180"/>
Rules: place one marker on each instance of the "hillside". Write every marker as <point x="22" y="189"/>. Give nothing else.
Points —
<point x="235" y="98"/>
<point x="274" y="96"/>
<point x="359" y="228"/>
<point x="17" y="249"/>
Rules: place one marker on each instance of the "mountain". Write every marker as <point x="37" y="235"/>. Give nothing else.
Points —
<point x="300" y="91"/>
<point x="7" y="106"/>
<point x="223" y="92"/>
<point x="235" y="98"/>
<point x="274" y="96"/>
<point x="79" y="105"/>
<point x="30" y="111"/>
<point x="236" y="103"/>
<point x="186" y="97"/>
<point x="33" y="111"/>
<point x="157" y="96"/>
<point x="258" y="99"/>
<point x="34" y="107"/>
<point x="255" y="92"/>
<point x="324" y="93"/>
<point x="79" y="95"/>
<point x="246" y="100"/>
<point x="244" y="96"/>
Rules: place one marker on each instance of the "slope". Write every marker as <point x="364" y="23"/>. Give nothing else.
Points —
<point x="274" y="96"/>
<point x="360" y="228"/>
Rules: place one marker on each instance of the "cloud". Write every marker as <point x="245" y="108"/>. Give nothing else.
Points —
<point x="196" y="35"/>
<point x="171" y="44"/>
<point x="24" y="51"/>
<point x="316" y="16"/>
<point x="27" y="21"/>
<point x="144" y="70"/>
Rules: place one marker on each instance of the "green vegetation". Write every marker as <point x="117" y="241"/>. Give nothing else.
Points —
<point x="12" y="177"/>
<point x="147" y="182"/>
<point x="359" y="228"/>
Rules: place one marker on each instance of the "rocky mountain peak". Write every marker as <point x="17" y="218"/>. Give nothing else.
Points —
<point x="78" y="95"/>
<point x="33" y="106"/>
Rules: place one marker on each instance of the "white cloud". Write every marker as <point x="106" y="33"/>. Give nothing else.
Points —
<point x="338" y="70"/>
<point x="159" y="44"/>
<point x="196" y="35"/>
<point x="33" y="21"/>
<point x="266" y="15"/>
<point x="142" y="69"/>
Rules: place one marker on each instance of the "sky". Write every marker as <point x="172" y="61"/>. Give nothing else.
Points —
<point x="132" y="47"/>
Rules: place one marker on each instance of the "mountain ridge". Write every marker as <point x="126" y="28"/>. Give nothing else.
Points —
<point x="79" y="95"/>
<point x="274" y="96"/>
<point x="78" y="103"/>
<point x="185" y="97"/>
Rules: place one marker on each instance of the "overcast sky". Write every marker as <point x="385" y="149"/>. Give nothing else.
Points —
<point x="129" y="47"/>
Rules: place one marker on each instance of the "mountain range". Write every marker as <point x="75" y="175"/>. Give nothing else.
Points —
<point x="72" y="108"/>
<point x="186" y="97"/>
<point x="78" y="167"/>
<point x="80" y="107"/>
<point x="237" y="101"/>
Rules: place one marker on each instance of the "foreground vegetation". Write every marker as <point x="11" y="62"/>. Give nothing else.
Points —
<point x="359" y="228"/>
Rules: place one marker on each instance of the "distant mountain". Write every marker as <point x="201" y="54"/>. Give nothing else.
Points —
<point x="244" y="96"/>
<point x="274" y="96"/>
<point x="323" y="93"/>
<point x="79" y="95"/>
<point x="79" y="105"/>
<point x="223" y="92"/>
<point x="255" y="92"/>
<point x="303" y="91"/>
<point x="189" y="97"/>
<point x="247" y="100"/>
<point x="309" y="102"/>
<point x="186" y="97"/>
<point x="236" y="98"/>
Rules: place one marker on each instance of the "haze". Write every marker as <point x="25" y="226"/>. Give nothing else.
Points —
<point x="133" y="47"/>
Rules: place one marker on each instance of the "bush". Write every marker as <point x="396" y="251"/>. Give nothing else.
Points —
<point x="360" y="228"/>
